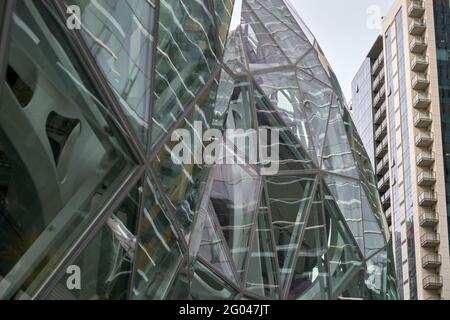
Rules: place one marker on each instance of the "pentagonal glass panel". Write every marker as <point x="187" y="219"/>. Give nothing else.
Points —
<point x="344" y="256"/>
<point x="206" y="285"/>
<point x="213" y="248"/>
<point x="282" y="90"/>
<point x="235" y="196"/>
<point x="380" y="277"/>
<point x="158" y="253"/>
<point x="186" y="58"/>
<point x="179" y="164"/>
<point x="317" y="100"/>
<point x="59" y="167"/>
<point x="337" y="157"/>
<point x="259" y="44"/>
<point x="282" y="150"/>
<point x="289" y="199"/>
<point x="309" y="277"/>
<point x="119" y="35"/>
<point x="223" y="13"/>
<point x="348" y="198"/>
<point x="105" y="265"/>
<point x="262" y="272"/>
<point x="373" y="236"/>
<point x="292" y="45"/>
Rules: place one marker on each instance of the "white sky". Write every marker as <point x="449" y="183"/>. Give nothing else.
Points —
<point x="345" y="30"/>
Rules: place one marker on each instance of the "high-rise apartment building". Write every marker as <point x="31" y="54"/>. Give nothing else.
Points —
<point x="416" y="130"/>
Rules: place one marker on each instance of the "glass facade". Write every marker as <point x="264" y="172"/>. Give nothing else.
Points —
<point x="95" y="122"/>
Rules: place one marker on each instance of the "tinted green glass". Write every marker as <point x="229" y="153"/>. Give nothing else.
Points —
<point x="186" y="57"/>
<point x="158" y="253"/>
<point x="61" y="154"/>
<point x="106" y="263"/>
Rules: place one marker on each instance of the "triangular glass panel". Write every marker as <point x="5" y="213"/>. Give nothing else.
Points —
<point x="348" y="198"/>
<point x="213" y="248"/>
<point x="290" y="154"/>
<point x="260" y="47"/>
<point x="282" y="90"/>
<point x="183" y="180"/>
<point x="276" y="32"/>
<point x="262" y="273"/>
<point x="344" y="256"/>
<point x="186" y="58"/>
<point x="223" y="13"/>
<point x="337" y="157"/>
<point x="309" y="277"/>
<point x="235" y="196"/>
<point x="312" y="65"/>
<point x="380" y="276"/>
<point x="373" y="236"/>
<point x="289" y="199"/>
<point x="317" y="100"/>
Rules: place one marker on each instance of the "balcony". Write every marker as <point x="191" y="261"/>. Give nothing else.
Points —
<point x="388" y="215"/>
<point x="378" y="82"/>
<point x="426" y="179"/>
<point x="419" y="63"/>
<point x="418" y="45"/>
<point x="380" y="115"/>
<point x="432" y="261"/>
<point x="427" y="199"/>
<point x="428" y="219"/>
<point x="420" y="81"/>
<point x="382" y="149"/>
<point x="416" y="9"/>
<point x="378" y="64"/>
<point x="383" y="183"/>
<point x="421" y="101"/>
<point x="424" y="140"/>
<point x="417" y="27"/>
<point x="383" y="166"/>
<point x="422" y="120"/>
<point x="430" y="240"/>
<point x="425" y="159"/>
<point x="386" y="200"/>
<point x="379" y="98"/>
<point x="433" y="282"/>
<point x="381" y="132"/>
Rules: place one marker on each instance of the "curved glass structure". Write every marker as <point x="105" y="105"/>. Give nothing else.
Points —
<point x="108" y="110"/>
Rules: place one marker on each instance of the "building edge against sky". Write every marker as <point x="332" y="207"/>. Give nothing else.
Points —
<point x="87" y="180"/>
<point x="413" y="121"/>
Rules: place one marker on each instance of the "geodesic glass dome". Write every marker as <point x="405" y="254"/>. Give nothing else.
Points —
<point x="92" y="111"/>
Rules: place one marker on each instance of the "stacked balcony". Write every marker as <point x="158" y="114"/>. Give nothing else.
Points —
<point x="427" y="199"/>
<point x="425" y="159"/>
<point x="419" y="63"/>
<point x="432" y="261"/>
<point x="381" y="132"/>
<point x="424" y="140"/>
<point x="417" y="26"/>
<point x="388" y="215"/>
<point x="418" y="45"/>
<point x="420" y="81"/>
<point x="430" y="240"/>
<point x="416" y="9"/>
<point x="383" y="183"/>
<point x="428" y="219"/>
<point x="422" y="120"/>
<point x="386" y="200"/>
<point x="426" y="179"/>
<point x="378" y="65"/>
<point x="379" y="98"/>
<point x="379" y="81"/>
<point x="421" y="101"/>
<point x="380" y="115"/>
<point x="433" y="282"/>
<point x="382" y="149"/>
<point x="383" y="166"/>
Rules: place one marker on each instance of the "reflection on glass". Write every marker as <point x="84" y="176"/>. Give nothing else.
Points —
<point x="106" y="263"/>
<point x="60" y="156"/>
<point x="158" y="254"/>
<point x="310" y="277"/>
<point x="206" y="285"/>
<point x="186" y="58"/>
<point x="261" y="277"/>
<point x="344" y="256"/>
<point x="373" y="236"/>
<point x="289" y="198"/>
<point x="120" y="37"/>
<point x="235" y="196"/>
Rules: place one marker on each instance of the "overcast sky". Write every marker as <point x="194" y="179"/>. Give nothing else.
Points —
<point x="345" y="30"/>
